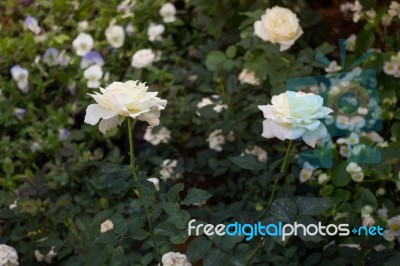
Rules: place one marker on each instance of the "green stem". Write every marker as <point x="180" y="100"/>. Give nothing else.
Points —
<point x="285" y="160"/>
<point x="260" y="244"/>
<point x="131" y="124"/>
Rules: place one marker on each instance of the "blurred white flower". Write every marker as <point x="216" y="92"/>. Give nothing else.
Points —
<point x="32" y="24"/>
<point x="218" y="106"/>
<point x="323" y="178"/>
<point x="362" y="110"/>
<point x="83" y="25"/>
<point x="366" y="211"/>
<point x="357" y="11"/>
<point x="351" y="43"/>
<point x="390" y="68"/>
<point x="47" y="258"/>
<point x="306" y="172"/>
<point x="349" y="123"/>
<point x="91" y="58"/>
<point x="168" y="169"/>
<point x="63" y="58"/>
<point x="83" y="43"/>
<point x="353" y="139"/>
<point x="175" y="259"/>
<point x="371" y="14"/>
<point x="154" y="32"/>
<point x="386" y="20"/>
<point x="248" y="77"/>
<point x="106" y="226"/>
<point x="8" y="256"/>
<point x="115" y="35"/>
<point x="394" y="225"/>
<point x="355" y="172"/>
<point x="293" y="115"/>
<point x="278" y="25"/>
<point x="394" y="9"/>
<point x="20" y="75"/>
<point x="344" y="151"/>
<point x="380" y="192"/>
<point x="383" y="212"/>
<point x="120" y="100"/>
<point x="50" y="57"/>
<point x="368" y="221"/>
<point x="388" y="235"/>
<point x="143" y="58"/>
<point x="130" y="29"/>
<point x="258" y="152"/>
<point x="13" y="205"/>
<point x="93" y="75"/>
<point x="168" y="12"/>
<point x="162" y="135"/>
<point x="333" y="67"/>
<point x="155" y="182"/>
<point x="126" y="7"/>
<point x="63" y="134"/>
<point x="215" y="140"/>
<point x="19" y="113"/>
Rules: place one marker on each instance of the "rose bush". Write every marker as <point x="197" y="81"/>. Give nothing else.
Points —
<point x="72" y="194"/>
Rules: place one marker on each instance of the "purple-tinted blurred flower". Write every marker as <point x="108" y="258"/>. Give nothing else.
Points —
<point x="50" y="57"/>
<point x="92" y="58"/>
<point x="32" y="24"/>
<point x="63" y="134"/>
<point x="20" y="75"/>
<point x="19" y="113"/>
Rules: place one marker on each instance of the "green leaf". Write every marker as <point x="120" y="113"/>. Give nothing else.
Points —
<point x="101" y="217"/>
<point x="166" y="229"/>
<point x="248" y="162"/>
<point x="231" y="51"/>
<point x="118" y="256"/>
<point x="340" y="177"/>
<point x="284" y="210"/>
<point x="173" y="193"/>
<point x="312" y="206"/>
<point x="365" y="40"/>
<point x="215" y="60"/>
<point x="8" y="166"/>
<point x="307" y="220"/>
<point x="198" y="248"/>
<point x="216" y="257"/>
<point x="195" y="196"/>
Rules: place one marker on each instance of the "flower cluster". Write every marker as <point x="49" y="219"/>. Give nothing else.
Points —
<point x="8" y="256"/>
<point x="392" y="67"/>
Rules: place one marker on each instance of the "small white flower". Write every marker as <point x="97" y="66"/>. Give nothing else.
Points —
<point x="20" y="75"/>
<point x="368" y="221"/>
<point x="8" y="256"/>
<point x="366" y="211"/>
<point x="388" y="235"/>
<point x="207" y="101"/>
<point x="106" y="226"/>
<point x="115" y="35"/>
<point x="215" y="140"/>
<point x="83" y="25"/>
<point x="351" y="43"/>
<point x="390" y="68"/>
<point x="394" y="9"/>
<point x="357" y="177"/>
<point x="353" y="139"/>
<point x="344" y="151"/>
<point x="126" y="7"/>
<point x="278" y="25"/>
<point x="394" y="225"/>
<point x="130" y="29"/>
<point x="155" y="181"/>
<point x="323" y="178"/>
<point x="63" y="58"/>
<point x="47" y="258"/>
<point x="305" y="174"/>
<point x="383" y="212"/>
<point x="175" y="259"/>
<point x="162" y="135"/>
<point x="168" y="12"/>
<point x="32" y="24"/>
<point x="346" y="7"/>
<point x="93" y="74"/>
<point x="143" y="58"/>
<point x="168" y="169"/>
<point x="83" y="43"/>
<point x="353" y="168"/>
<point x="13" y="205"/>
<point x="380" y="192"/>
<point x="386" y="20"/>
<point x="333" y="67"/>
<point x="371" y="14"/>
<point x="154" y="32"/>
<point x="362" y="111"/>
<point x="248" y="77"/>
<point x="258" y="152"/>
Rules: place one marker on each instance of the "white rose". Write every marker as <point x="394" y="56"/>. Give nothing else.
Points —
<point x="93" y="75"/>
<point x="293" y="115"/>
<point x="83" y="25"/>
<point x="106" y="226"/>
<point x="82" y="44"/>
<point x="167" y="12"/>
<point x="143" y="58"/>
<point x="278" y="25"/>
<point x="115" y="36"/>
<point x="248" y="77"/>
<point x="48" y="257"/>
<point x="162" y="135"/>
<point x="258" y="152"/>
<point x="167" y="170"/>
<point x="120" y="100"/>
<point x="8" y="256"/>
<point x="155" y="31"/>
<point x="155" y="182"/>
<point x="175" y="259"/>
<point x="215" y="140"/>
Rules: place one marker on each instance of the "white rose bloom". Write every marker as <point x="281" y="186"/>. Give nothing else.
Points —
<point x="93" y="75"/>
<point x="143" y="58"/>
<point x="20" y="75"/>
<point x="353" y="168"/>
<point x="120" y="100"/>
<point x="8" y="256"/>
<point x="155" y="31"/>
<point x="106" y="226"/>
<point x="115" y="36"/>
<point x="215" y="140"/>
<point x="168" y="12"/>
<point x="248" y="77"/>
<point x="333" y="67"/>
<point x="83" y="43"/>
<point x="155" y="182"/>
<point x="83" y="25"/>
<point x="258" y="152"/>
<point x="163" y="135"/>
<point x="47" y="258"/>
<point x="175" y="259"/>
<point x="167" y="170"/>
<point x="278" y="25"/>
<point x="293" y="115"/>
<point x="388" y="235"/>
<point x="394" y="225"/>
